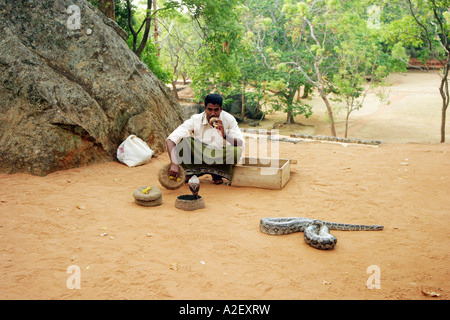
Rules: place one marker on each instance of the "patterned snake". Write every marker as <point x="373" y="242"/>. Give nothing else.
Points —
<point x="316" y="232"/>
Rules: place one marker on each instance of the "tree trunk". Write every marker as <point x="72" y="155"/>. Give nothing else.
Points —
<point x="306" y="90"/>
<point x="329" y="110"/>
<point x="346" y="124"/>
<point x="175" y="78"/>
<point x="289" y="118"/>
<point x="147" y="21"/>
<point x="290" y="101"/>
<point x="444" y="112"/>
<point x="156" y="32"/>
<point x="321" y="87"/>
<point x="107" y="7"/>
<point x="174" y="87"/>
<point x="443" y="89"/>
<point x="243" y="101"/>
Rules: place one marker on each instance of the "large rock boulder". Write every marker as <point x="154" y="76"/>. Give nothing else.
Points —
<point x="235" y="107"/>
<point x="71" y="90"/>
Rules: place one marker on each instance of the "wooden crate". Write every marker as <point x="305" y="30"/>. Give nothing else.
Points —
<point x="266" y="173"/>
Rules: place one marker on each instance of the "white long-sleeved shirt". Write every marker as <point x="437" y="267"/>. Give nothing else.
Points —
<point x="198" y="127"/>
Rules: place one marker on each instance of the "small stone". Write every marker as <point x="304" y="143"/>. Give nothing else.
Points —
<point x="81" y="206"/>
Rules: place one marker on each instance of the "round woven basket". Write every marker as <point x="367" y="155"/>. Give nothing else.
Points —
<point x="152" y="198"/>
<point x="163" y="177"/>
<point x="189" y="203"/>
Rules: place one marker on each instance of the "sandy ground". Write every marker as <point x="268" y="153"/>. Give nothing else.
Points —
<point x="85" y="218"/>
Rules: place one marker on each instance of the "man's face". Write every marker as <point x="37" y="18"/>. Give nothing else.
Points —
<point x="212" y="110"/>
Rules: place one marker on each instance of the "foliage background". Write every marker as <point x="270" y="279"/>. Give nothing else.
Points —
<point x="276" y="53"/>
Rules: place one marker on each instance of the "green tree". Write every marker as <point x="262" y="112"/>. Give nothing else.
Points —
<point x="138" y="25"/>
<point x="133" y="20"/>
<point x="359" y="58"/>
<point x="358" y="72"/>
<point x="425" y="23"/>
<point x="339" y="50"/>
<point x="313" y="24"/>
<point x="273" y="49"/>
<point x="212" y="60"/>
<point x="145" y="25"/>
<point x="178" y="44"/>
<point x="436" y="28"/>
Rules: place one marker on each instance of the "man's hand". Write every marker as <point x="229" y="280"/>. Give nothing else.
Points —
<point x="219" y="126"/>
<point x="174" y="170"/>
<point x="174" y="167"/>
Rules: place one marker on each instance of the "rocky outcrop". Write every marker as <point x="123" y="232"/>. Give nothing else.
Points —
<point x="190" y="110"/>
<point x="71" y="90"/>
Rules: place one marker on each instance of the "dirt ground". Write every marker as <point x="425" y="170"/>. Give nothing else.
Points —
<point x="85" y="219"/>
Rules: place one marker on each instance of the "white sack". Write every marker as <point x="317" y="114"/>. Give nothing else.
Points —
<point x="134" y="152"/>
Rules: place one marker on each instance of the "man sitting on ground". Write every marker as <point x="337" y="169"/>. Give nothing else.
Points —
<point x="207" y="143"/>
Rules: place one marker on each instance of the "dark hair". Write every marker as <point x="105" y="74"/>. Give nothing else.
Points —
<point x="213" y="98"/>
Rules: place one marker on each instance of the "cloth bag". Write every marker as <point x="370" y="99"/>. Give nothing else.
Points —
<point x="134" y="152"/>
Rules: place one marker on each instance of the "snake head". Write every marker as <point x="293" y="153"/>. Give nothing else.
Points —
<point x="194" y="185"/>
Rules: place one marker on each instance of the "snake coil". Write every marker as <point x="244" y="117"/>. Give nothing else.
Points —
<point x="316" y="232"/>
